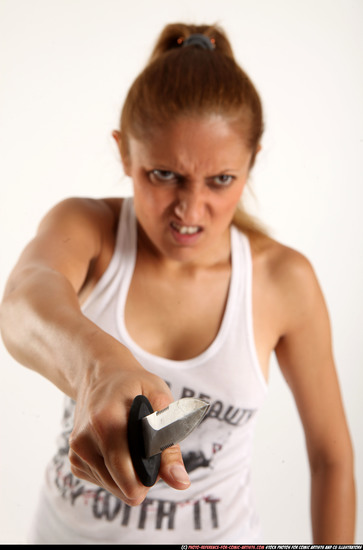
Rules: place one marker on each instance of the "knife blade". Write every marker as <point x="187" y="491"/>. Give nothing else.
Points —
<point x="149" y="433"/>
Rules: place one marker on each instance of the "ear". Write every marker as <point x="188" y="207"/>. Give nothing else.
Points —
<point x="125" y="159"/>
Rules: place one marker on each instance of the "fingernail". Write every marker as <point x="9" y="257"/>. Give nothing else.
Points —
<point x="179" y="474"/>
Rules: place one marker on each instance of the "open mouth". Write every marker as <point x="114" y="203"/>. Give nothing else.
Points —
<point x="186" y="229"/>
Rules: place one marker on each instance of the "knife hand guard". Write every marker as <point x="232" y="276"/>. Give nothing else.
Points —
<point x="147" y="469"/>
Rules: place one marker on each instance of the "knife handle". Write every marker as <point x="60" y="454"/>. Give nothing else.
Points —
<point x="147" y="469"/>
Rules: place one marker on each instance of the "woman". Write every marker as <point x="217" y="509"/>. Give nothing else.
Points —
<point x="176" y="292"/>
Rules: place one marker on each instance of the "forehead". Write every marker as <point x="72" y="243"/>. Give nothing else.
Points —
<point x="210" y="143"/>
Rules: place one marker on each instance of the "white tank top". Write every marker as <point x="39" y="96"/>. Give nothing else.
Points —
<point x="218" y="507"/>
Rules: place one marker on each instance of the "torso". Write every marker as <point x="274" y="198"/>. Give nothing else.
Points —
<point x="175" y="314"/>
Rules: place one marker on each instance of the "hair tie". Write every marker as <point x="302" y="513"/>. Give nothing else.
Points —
<point x="199" y="40"/>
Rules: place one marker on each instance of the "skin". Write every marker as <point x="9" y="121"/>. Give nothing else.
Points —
<point x="189" y="175"/>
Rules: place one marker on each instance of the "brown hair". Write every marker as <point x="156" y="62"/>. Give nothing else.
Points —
<point x="188" y="81"/>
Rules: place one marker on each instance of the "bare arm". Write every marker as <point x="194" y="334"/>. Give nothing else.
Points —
<point x="43" y="328"/>
<point x="305" y="356"/>
<point x="42" y="325"/>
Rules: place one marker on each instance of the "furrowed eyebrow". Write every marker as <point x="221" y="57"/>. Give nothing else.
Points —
<point x="150" y="167"/>
<point x="176" y="174"/>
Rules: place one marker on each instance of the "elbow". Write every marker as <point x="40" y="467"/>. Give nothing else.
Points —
<point x="339" y="462"/>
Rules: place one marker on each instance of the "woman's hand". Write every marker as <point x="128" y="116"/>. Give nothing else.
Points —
<point x="99" y="450"/>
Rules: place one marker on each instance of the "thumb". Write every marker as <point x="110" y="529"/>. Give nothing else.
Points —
<point x="172" y="469"/>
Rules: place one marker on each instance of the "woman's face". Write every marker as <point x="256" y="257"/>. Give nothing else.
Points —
<point x="188" y="178"/>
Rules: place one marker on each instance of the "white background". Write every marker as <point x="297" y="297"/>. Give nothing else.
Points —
<point x="65" y="68"/>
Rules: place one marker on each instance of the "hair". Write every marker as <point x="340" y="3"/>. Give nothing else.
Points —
<point x="192" y="81"/>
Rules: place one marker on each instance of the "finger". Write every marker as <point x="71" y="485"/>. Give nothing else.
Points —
<point x="121" y="470"/>
<point x="99" y="475"/>
<point x="172" y="469"/>
<point x="93" y="470"/>
<point x="103" y="446"/>
<point x="117" y="465"/>
<point x="79" y="468"/>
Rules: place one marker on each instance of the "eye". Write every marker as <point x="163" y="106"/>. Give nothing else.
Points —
<point x="223" y="180"/>
<point x="160" y="176"/>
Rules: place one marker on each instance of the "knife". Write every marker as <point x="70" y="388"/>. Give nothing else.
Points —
<point x="149" y="433"/>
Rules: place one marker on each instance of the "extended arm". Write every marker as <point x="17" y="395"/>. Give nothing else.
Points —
<point x="43" y="328"/>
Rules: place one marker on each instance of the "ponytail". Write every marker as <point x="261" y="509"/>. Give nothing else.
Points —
<point x="175" y="34"/>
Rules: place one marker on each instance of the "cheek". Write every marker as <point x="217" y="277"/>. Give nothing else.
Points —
<point x="142" y="193"/>
<point x="230" y="201"/>
<point x="150" y="201"/>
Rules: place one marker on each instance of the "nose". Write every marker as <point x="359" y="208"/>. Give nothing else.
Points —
<point x="190" y="205"/>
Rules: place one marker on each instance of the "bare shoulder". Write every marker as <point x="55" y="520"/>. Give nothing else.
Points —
<point x="81" y="223"/>
<point x="288" y="277"/>
<point x="97" y="213"/>
<point x="281" y="264"/>
<point x="76" y="238"/>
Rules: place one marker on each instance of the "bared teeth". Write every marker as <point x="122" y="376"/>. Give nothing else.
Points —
<point x="188" y="230"/>
<point x="185" y="229"/>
